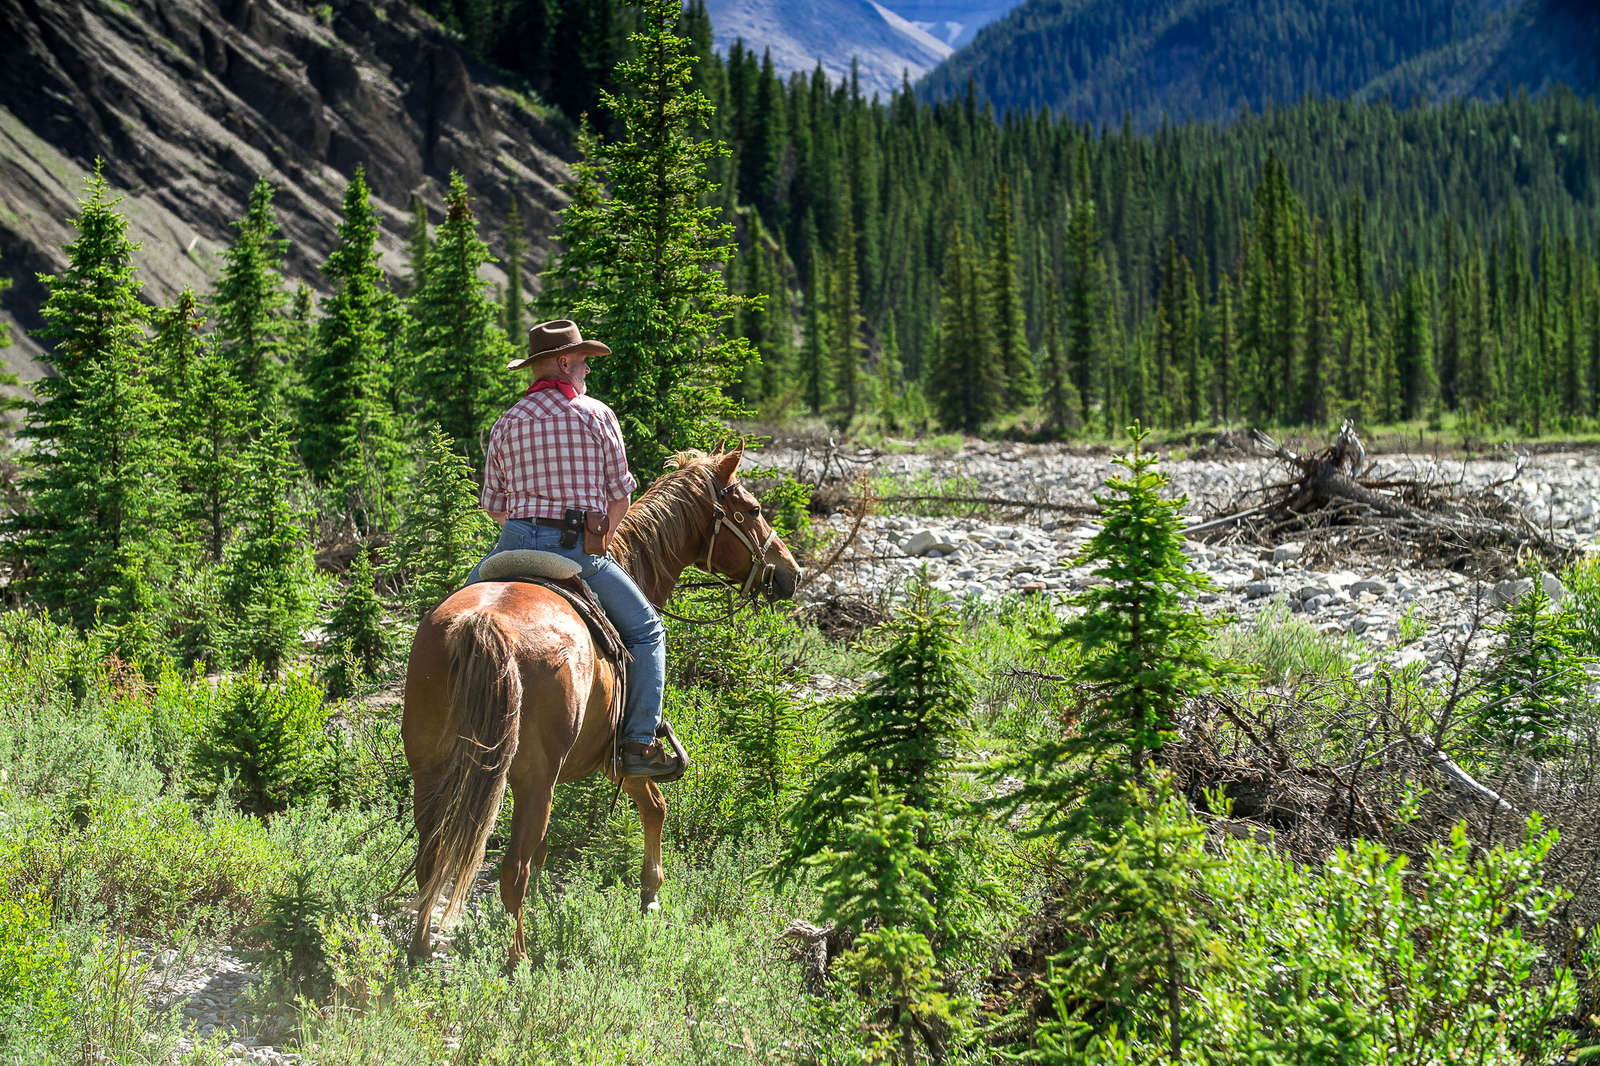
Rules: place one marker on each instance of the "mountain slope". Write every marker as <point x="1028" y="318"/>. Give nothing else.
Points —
<point x="800" y="35"/>
<point x="1537" y="45"/>
<point x="187" y="101"/>
<point x="1207" y="59"/>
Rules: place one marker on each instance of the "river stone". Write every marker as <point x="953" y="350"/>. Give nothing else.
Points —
<point x="1287" y="552"/>
<point x="923" y="541"/>
<point x="1370" y="588"/>
<point x="1553" y="587"/>
<point x="1509" y="591"/>
<point x="1257" y="589"/>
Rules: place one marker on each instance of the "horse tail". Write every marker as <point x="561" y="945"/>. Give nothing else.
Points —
<point x="486" y="710"/>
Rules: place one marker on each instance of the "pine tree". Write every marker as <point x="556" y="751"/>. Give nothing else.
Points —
<point x="907" y="723"/>
<point x="814" y="379"/>
<point x="209" y="414"/>
<point x="458" y="345"/>
<point x="516" y="328"/>
<point x="356" y="632"/>
<point x="417" y="245"/>
<point x="1005" y="311"/>
<point x="848" y="346"/>
<point x="250" y="301"/>
<point x="962" y="398"/>
<point x="889" y="383"/>
<point x="1083" y="285"/>
<point x="651" y="253"/>
<point x="98" y="481"/>
<point x="266" y="576"/>
<point x="444" y="531"/>
<point x="348" y="436"/>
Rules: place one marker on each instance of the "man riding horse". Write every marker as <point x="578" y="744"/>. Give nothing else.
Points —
<point x="508" y="683"/>
<point x="555" y="466"/>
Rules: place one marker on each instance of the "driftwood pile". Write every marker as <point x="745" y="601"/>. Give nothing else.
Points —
<point x="1333" y="502"/>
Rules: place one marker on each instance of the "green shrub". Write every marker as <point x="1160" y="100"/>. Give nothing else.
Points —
<point x="1285" y="649"/>
<point x="1582" y="580"/>
<point x="1535" y="682"/>
<point x="261" y="746"/>
<point x="358" y="635"/>
<point x="37" y="988"/>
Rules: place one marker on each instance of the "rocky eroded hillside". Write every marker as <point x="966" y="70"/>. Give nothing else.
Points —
<point x="188" y="101"/>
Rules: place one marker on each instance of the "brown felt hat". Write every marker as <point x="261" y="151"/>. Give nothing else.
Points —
<point x="560" y="337"/>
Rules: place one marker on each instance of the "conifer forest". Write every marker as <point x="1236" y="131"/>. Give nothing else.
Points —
<point x="1257" y="745"/>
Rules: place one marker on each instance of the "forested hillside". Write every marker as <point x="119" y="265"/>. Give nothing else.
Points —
<point x="1322" y="259"/>
<point x="1096" y="60"/>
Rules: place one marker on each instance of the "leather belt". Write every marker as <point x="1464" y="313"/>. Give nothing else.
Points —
<point x="550" y="523"/>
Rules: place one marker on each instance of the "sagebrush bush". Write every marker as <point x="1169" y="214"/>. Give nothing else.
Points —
<point x="37" y="986"/>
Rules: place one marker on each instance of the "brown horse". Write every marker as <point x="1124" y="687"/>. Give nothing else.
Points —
<point x="504" y="683"/>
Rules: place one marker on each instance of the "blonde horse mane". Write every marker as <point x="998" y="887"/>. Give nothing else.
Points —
<point x="660" y="527"/>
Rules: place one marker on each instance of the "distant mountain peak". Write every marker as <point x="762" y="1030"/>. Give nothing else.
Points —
<point x="890" y="42"/>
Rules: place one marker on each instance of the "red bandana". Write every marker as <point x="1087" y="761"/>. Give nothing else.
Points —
<point x="552" y="383"/>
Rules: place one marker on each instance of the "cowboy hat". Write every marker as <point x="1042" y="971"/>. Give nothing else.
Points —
<point x="560" y="337"/>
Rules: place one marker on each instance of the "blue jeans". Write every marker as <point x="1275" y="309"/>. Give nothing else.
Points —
<point x="636" y="620"/>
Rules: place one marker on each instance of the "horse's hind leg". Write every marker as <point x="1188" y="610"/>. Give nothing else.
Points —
<point x="425" y="812"/>
<point x="530" y="821"/>
<point x="652" y="813"/>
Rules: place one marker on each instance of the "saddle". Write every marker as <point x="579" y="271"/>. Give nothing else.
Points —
<point x="560" y="575"/>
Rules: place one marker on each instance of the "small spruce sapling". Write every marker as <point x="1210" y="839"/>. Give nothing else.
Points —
<point x="357" y="634"/>
<point x="1093" y="789"/>
<point x="444" y="531"/>
<point x="874" y="882"/>
<point x="1536" y="682"/>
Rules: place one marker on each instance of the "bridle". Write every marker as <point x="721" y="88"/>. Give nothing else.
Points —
<point x="761" y="574"/>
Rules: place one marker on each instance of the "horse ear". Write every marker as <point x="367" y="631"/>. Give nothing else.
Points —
<point x="721" y="445"/>
<point x="727" y="466"/>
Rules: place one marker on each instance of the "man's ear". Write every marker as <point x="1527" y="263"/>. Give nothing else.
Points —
<point x="727" y="466"/>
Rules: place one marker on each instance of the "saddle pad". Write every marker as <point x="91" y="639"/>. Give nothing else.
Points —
<point x="526" y="562"/>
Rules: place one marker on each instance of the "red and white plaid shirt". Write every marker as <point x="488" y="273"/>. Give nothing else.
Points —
<point x="549" y="453"/>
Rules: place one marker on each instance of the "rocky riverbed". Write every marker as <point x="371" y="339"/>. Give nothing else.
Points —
<point x="1381" y="602"/>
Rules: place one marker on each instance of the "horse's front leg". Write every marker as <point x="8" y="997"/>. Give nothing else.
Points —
<point x="652" y="813"/>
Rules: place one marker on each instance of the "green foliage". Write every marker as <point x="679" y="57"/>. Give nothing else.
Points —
<point x="1143" y="652"/>
<point x="357" y="631"/>
<point x="260" y="748"/>
<point x="641" y="267"/>
<point x="98" y="484"/>
<point x="37" y="988"/>
<point x="250" y="303"/>
<point x="1582" y="580"/>
<point x="1286" y="650"/>
<point x="348" y="432"/>
<point x="1535" y="683"/>
<point x="457" y="341"/>
<point x="1143" y="931"/>
<point x="292" y="924"/>
<point x="443" y="532"/>
<point x="265" y="580"/>
<point x="873" y="882"/>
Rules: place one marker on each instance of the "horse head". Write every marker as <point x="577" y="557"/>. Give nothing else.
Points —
<point x="742" y="547"/>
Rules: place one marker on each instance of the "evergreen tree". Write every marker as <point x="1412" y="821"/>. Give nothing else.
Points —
<point x="651" y="252"/>
<point x="814" y="379"/>
<point x="209" y="414"/>
<point x="299" y="344"/>
<point x="1005" y="294"/>
<point x="250" y="301"/>
<point x="889" y="383"/>
<point x="1082" y="304"/>
<point x="8" y="403"/>
<point x="266" y="577"/>
<point x="417" y="245"/>
<point x="98" y="480"/>
<point x="902" y="729"/>
<point x="459" y="347"/>
<point x="516" y="328"/>
<point x="356" y="632"/>
<point x="263" y="739"/>
<point x="348" y="434"/>
<point x="444" y="531"/>
<point x="1413" y="348"/>
<point x="962" y="397"/>
<point x="849" y="347"/>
